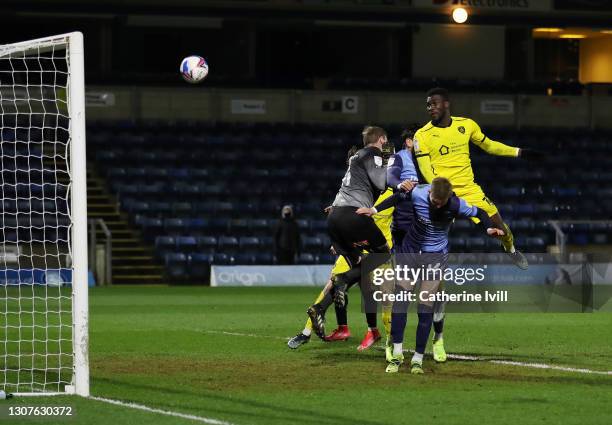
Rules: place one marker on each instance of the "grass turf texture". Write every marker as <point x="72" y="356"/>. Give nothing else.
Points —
<point x="164" y="347"/>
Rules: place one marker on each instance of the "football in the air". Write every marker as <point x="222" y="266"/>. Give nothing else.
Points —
<point x="194" y="69"/>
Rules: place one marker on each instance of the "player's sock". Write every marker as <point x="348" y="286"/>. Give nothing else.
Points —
<point x="438" y="335"/>
<point x="386" y="318"/>
<point x="398" y="348"/>
<point x="326" y="302"/>
<point x="398" y="324"/>
<point x="423" y="330"/>
<point x="308" y="326"/>
<point x="371" y="319"/>
<point x="341" y="316"/>
<point x="508" y="239"/>
<point x="417" y="357"/>
<point x="438" y="328"/>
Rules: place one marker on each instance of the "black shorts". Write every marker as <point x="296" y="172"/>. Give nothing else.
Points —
<point x="352" y="233"/>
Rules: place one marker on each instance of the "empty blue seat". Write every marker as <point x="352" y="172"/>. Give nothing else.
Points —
<point x="304" y="225"/>
<point x="306" y="258"/>
<point x="318" y="225"/>
<point x="166" y="243"/>
<point x="228" y="243"/>
<point x="198" y="225"/>
<point x="239" y="226"/>
<point x="311" y="242"/>
<point x="151" y="227"/>
<point x="249" y="242"/>
<point x="266" y="241"/>
<point x="245" y="258"/>
<point x="181" y="208"/>
<point x="457" y="244"/>
<point x="219" y="225"/>
<point x="138" y="207"/>
<point x="176" y="265"/>
<point x="186" y="243"/>
<point x="260" y="225"/>
<point x="222" y="259"/>
<point x="199" y="265"/>
<point x="224" y="207"/>
<point x="175" y="225"/>
<point x="160" y="208"/>
<point x="207" y="243"/>
<point x="136" y="172"/>
<point x="327" y="259"/>
<point x="264" y="258"/>
<point x="476" y="244"/>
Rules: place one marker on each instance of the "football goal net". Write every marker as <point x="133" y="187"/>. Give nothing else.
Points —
<point x="43" y="213"/>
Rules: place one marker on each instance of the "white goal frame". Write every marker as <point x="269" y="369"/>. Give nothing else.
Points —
<point x="78" y="199"/>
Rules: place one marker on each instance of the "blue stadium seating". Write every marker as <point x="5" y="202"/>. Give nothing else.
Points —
<point x="184" y="184"/>
<point x="176" y="265"/>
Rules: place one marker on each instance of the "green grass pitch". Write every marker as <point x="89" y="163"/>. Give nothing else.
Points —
<point x="221" y="353"/>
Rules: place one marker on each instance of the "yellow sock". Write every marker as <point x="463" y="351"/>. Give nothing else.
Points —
<point x="386" y="318"/>
<point x="309" y="322"/>
<point x="508" y="239"/>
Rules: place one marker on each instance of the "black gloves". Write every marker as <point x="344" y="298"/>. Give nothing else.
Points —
<point x="531" y="154"/>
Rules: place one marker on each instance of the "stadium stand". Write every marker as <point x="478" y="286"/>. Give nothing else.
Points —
<point x="203" y="193"/>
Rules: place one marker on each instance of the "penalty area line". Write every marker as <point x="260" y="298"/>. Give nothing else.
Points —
<point x="529" y="365"/>
<point x="462" y="357"/>
<point x="246" y="335"/>
<point x="160" y="411"/>
<point x="456" y="357"/>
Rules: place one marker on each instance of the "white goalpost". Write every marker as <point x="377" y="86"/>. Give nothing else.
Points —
<point x="43" y="218"/>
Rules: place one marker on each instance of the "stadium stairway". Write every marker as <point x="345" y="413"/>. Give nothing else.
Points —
<point x="133" y="261"/>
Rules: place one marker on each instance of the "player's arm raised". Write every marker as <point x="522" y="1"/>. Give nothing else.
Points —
<point x="491" y="146"/>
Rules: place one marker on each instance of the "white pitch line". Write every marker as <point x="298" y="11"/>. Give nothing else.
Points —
<point x="531" y="365"/>
<point x="247" y="335"/>
<point x="547" y="366"/>
<point x="457" y="357"/>
<point x="160" y="411"/>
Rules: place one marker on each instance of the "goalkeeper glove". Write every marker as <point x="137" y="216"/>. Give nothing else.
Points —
<point x="531" y="154"/>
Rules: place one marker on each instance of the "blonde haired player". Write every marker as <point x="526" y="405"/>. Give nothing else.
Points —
<point x="442" y="149"/>
<point x="342" y="333"/>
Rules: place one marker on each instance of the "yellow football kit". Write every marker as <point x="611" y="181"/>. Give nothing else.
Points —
<point x="445" y="152"/>
<point x="383" y="222"/>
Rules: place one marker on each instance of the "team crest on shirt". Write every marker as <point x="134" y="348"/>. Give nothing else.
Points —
<point x="378" y="161"/>
<point x="391" y="161"/>
<point x="415" y="144"/>
<point x="461" y="129"/>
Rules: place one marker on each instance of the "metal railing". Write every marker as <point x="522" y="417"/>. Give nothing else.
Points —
<point x="561" y="235"/>
<point x="108" y="248"/>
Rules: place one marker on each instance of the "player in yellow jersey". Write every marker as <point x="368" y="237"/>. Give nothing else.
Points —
<point x="383" y="222"/>
<point x="442" y="148"/>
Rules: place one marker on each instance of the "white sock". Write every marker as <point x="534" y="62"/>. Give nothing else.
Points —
<point x="371" y="329"/>
<point x="512" y="249"/>
<point x="438" y="336"/>
<point x="418" y="357"/>
<point x="307" y="331"/>
<point x="397" y="348"/>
